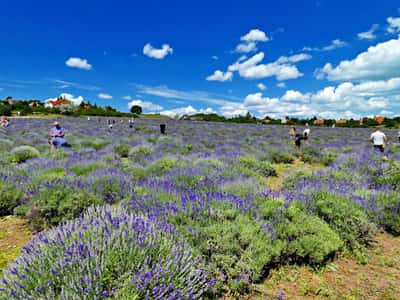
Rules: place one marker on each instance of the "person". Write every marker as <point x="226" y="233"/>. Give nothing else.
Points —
<point x="297" y="140"/>
<point x="130" y="123"/>
<point x="5" y="122"/>
<point x="292" y="131"/>
<point x="57" y="136"/>
<point x="306" y="134"/>
<point x="398" y="135"/>
<point x="379" y="139"/>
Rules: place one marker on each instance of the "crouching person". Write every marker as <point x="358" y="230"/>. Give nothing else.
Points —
<point x="57" y="137"/>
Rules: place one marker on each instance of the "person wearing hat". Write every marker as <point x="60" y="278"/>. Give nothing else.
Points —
<point x="57" y="136"/>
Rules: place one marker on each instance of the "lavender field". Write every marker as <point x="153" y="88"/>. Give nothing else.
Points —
<point x="128" y="213"/>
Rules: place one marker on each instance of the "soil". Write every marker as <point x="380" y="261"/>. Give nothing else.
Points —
<point x="13" y="236"/>
<point x="344" y="278"/>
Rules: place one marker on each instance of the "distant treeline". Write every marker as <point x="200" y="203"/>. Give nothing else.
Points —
<point x="248" y="118"/>
<point x="34" y="107"/>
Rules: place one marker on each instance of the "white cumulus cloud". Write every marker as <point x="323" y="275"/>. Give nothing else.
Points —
<point x="255" y="35"/>
<point x="370" y="34"/>
<point x="246" y="47"/>
<point x="378" y="62"/>
<point x="261" y="86"/>
<point x="152" y="52"/>
<point x="335" y="44"/>
<point x="188" y="110"/>
<point x="394" y="25"/>
<point x="80" y="63"/>
<point x="104" y="96"/>
<point x="250" y="69"/>
<point x="220" y="76"/>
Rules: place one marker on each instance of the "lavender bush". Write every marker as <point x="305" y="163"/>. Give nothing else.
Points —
<point x="106" y="253"/>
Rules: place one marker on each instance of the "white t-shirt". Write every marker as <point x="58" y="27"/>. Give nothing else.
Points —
<point x="306" y="131"/>
<point x="378" y="138"/>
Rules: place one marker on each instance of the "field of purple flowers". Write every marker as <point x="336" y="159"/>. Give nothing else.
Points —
<point x="128" y="213"/>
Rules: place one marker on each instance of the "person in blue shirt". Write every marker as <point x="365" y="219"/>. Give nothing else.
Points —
<point x="57" y="134"/>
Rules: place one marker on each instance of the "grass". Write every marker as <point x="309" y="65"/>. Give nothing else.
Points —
<point x="284" y="170"/>
<point x="13" y="236"/>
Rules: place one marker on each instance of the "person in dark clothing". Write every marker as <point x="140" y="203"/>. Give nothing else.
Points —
<point x="297" y="140"/>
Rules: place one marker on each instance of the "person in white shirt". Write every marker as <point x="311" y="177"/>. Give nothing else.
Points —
<point x="379" y="139"/>
<point x="306" y="134"/>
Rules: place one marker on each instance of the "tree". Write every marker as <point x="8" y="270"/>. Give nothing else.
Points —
<point x="136" y="109"/>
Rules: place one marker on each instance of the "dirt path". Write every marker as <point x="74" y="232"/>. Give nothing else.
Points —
<point x="284" y="170"/>
<point x="342" y="279"/>
<point x="13" y="236"/>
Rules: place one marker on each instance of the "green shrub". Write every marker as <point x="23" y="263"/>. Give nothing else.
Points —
<point x="23" y="153"/>
<point x="122" y="150"/>
<point x="141" y="150"/>
<point x="391" y="176"/>
<point x="263" y="168"/>
<point x="9" y="195"/>
<point x="328" y="157"/>
<point x="387" y="211"/>
<point x="162" y="165"/>
<point x="344" y="216"/>
<point x="281" y="157"/>
<point x="96" y="144"/>
<point x="310" y="155"/>
<point x="57" y="204"/>
<point x="84" y="169"/>
<point x="310" y="240"/>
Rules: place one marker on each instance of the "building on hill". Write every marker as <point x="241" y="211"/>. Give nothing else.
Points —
<point x="57" y="103"/>
<point x="379" y="119"/>
<point x="34" y="104"/>
<point x="341" y="121"/>
<point x="319" y="122"/>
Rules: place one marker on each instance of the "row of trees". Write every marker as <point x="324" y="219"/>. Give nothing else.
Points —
<point x="248" y="118"/>
<point x="9" y="107"/>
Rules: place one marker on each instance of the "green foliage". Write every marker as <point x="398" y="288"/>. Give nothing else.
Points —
<point x="162" y="165"/>
<point x="281" y="157"/>
<point x="136" y="109"/>
<point x="9" y="196"/>
<point x="56" y="204"/>
<point x="310" y="240"/>
<point x="5" y="144"/>
<point x="310" y="155"/>
<point x="95" y="144"/>
<point x="344" y="216"/>
<point x="262" y="168"/>
<point x="391" y="176"/>
<point x="139" y="152"/>
<point x="122" y="150"/>
<point x="23" y="153"/>
<point x="387" y="211"/>
<point x="84" y="169"/>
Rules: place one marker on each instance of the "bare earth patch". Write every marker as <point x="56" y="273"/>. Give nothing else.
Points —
<point x="342" y="279"/>
<point x="13" y="236"/>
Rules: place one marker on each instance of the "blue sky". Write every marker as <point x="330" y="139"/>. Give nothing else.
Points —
<point x="297" y="58"/>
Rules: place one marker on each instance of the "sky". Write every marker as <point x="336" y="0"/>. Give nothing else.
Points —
<point x="324" y="58"/>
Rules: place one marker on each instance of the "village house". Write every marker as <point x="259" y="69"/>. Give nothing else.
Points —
<point x="341" y="121"/>
<point x="57" y="103"/>
<point x="379" y="119"/>
<point x="319" y="122"/>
